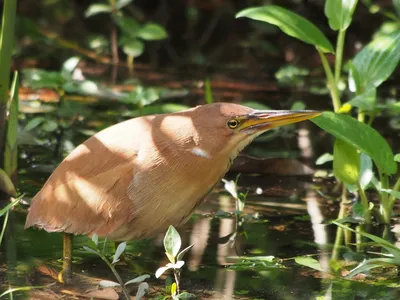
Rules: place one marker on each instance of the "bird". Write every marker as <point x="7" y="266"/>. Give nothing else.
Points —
<point x="135" y="178"/>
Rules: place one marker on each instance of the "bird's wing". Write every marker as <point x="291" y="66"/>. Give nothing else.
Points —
<point x="87" y="192"/>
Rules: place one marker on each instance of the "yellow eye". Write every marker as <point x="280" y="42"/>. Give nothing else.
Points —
<point x="233" y="123"/>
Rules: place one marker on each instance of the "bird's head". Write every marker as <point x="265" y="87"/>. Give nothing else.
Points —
<point x="226" y="128"/>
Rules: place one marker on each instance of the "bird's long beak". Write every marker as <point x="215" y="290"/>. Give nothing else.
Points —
<point x="267" y="119"/>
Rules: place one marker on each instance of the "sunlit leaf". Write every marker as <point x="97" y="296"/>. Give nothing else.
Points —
<point x="120" y="249"/>
<point x="152" y="32"/>
<point x="69" y="66"/>
<point x="108" y="283"/>
<point x="183" y="252"/>
<point x="172" y="241"/>
<point x="339" y="13"/>
<point x="36" y="79"/>
<point x="133" y="47"/>
<point x="142" y="288"/>
<point x="366" y="101"/>
<point x="366" y="172"/>
<point x="397" y="157"/>
<point x="308" y="262"/>
<point x="97" y="8"/>
<point x="95" y="239"/>
<point x="372" y="263"/>
<point x="161" y="271"/>
<point x="173" y="289"/>
<point x="346" y="162"/>
<point x="361" y="136"/>
<point x="138" y="279"/>
<point x="324" y="158"/>
<point x="395" y="194"/>
<point x="290" y="23"/>
<point x="377" y="61"/>
<point x="122" y="3"/>
<point x="88" y="249"/>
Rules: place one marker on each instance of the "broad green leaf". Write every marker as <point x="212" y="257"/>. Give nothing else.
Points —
<point x="361" y="136"/>
<point x="133" y="48"/>
<point x="340" y="13"/>
<point x="346" y="162"/>
<point x="366" y="101"/>
<point x="377" y="61"/>
<point x="308" y="262"/>
<point x="11" y="147"/>
<point x="6" y="184"/>
<point x="290" y="23"/>
<point x="128" y="25"/>
<point x="36" y="79"/>
<point x="354" y="79"/>
<point x="366" y="172"/>
<point x="97" y="8"/>
<point x="396" y="4"/>
<point x="172" y="241"/>
<point x="120" y="249"/>
<point x="152" y="32"/>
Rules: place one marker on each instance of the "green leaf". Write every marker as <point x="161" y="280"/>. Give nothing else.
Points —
<point x="6" y="184"/>
<point x="392" y="249"/>
<point x="97" y="8"/>
<point x="95" y="239"/>
<point x="120" y="249"/>
<point x="207" y="91"/>
<point x="373" y="263"/>
<point x="152" y="32"/>
<point x="346" y="162"/>
<point x="172" y="241"/>
<point x="308" y="262"/>
<point x="133" y="48"/>
<point x="366" y="172"/>
<point x="361" y="136"/>
<point x="397" y="157"/>
<point x="396" y="4"/>
<point x="377" y="61"/>
<point x="36" y="79"/>
<point x="324" y="158"/>
<point x="340" y="13"/>
<point x="122" y="3"/>
<point x="366" y="101"/>
<point x="354" y="79"/>
<point x="128" y="25"/>
<point x="290" y="23"/>
<point x="69" y="66"/>
<point x="11" y="147"/>
<point x="138" y="279"/>
<point x="141" y="291"/>
<point x="183" y="252"/>
<point x="10" y="205"/>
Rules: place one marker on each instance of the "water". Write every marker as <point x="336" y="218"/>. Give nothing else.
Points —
<point x="283" y="219"/>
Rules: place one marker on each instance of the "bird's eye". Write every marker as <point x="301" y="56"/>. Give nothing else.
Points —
<point x="233" y="123"/>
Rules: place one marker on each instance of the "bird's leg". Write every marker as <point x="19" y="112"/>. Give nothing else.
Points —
<point x="65" y="275"/>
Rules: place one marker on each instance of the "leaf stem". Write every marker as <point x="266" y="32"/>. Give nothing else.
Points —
<point x="332" y="85"/>
<point x="177" y="276"/>
<point x="339" y="54"/>
<point x="392" y="198"/>
<point x="364" y="202"/>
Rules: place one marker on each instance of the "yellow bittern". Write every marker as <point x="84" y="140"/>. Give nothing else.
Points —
<point x="137" y="177"/>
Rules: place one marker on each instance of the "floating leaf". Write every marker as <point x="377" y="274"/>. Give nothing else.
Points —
<point x="377" y="61"/>
<point x="346" y="162"/>
<point x="152" y="32"/>
<point x="361" y="136"/>
<point x="290" y="23"/>
<point x="340" y="13"/>
<point x="308" y="262"/>
<point x="97" y="8"/>
<point x="120" y="249"/>
<point x="172" y="241"/>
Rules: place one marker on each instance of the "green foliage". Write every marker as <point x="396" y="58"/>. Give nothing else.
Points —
<point x="290" y="23"/>
<point x="346" y="162"/>
<point x="361" y="136"/>
<point x="94" y="249"/>
<point x="375" y="63"/>
<point x="308" y="262"/>
<point x="172" y="245"/>
<point x="340" y="13"/>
